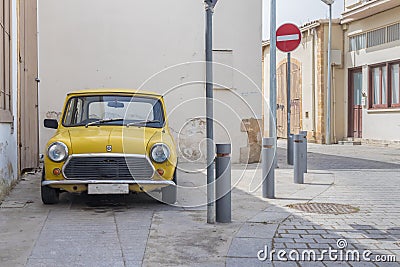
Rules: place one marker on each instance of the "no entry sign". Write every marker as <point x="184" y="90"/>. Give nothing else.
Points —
<point x="288" y="37"/>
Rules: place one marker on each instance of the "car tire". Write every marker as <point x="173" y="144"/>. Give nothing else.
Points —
<point x="49" y="195"/>
<point x="169" y="193"/>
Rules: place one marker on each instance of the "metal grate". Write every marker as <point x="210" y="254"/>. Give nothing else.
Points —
<point x="108" y="168"/>
<point x="324" y="208"/>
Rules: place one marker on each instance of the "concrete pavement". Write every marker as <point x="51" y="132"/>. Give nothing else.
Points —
<point x="139" y="231"/>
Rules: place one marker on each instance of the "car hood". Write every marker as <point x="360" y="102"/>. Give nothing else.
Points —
<point x="94" y="139"/>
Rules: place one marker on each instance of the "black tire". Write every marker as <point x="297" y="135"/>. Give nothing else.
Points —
<point x="169" y="193"/>
<point x="49" y="195"/>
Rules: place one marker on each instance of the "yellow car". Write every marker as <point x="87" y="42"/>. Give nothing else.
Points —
<point x="110" y="141"/>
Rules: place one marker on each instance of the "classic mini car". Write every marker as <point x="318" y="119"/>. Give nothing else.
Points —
<point x="113" y="141"/>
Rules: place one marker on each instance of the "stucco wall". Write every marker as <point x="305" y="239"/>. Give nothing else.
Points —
<point x="121" y="44"/>
<point x="8" y="131"/>
<point x="380" y="124"/>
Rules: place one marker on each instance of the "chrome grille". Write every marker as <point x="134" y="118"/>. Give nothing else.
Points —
<point x="106" y="167"/>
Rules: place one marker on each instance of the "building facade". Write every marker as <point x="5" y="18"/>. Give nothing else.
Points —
<point x="309" y="84"/>
<point x="372" y="62"/>
<point x="365" y="76"/>
<point x="157" y="46"/>
<point x="18" y="90"/>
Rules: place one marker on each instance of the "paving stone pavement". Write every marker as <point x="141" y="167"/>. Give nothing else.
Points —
<point x="139" y="231"/>
<point x="375" y="227"/>
<point x="370" y="182"/>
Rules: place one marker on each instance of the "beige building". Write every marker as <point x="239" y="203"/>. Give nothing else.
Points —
<point x="309" y="83"/>
<point x="18" y="90"/>
<point x="372" y="63"/>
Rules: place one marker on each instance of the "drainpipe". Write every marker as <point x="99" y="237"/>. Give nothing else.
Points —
<point x="328" y="93"/>
<point x="334" y="104"/>
<point x="313" y="34"/>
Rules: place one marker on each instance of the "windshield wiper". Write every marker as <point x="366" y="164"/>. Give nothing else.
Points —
<point x="103" y="121"/>
<point x="142" y="122"/>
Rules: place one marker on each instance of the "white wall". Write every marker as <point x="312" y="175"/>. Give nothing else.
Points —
<point x="121" y="44"/>
<point x="8" y="131"/>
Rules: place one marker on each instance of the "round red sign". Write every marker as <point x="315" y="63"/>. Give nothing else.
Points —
<point x="288" y="37"/>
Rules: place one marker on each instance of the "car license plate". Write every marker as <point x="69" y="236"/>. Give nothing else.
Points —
<point x="102" y="189"/>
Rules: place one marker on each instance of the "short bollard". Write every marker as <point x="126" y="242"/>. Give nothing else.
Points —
<point x="267" y="161"/>
<point x="298" y="140"/>
<point x="290" y="150"/>
<point x="223" y="183"/>
<point x="304" y="133"/>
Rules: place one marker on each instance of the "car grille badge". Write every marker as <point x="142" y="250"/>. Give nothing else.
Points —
<point x="109" y="148"/>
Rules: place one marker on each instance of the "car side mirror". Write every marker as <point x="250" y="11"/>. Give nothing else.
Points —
<point x="50" y="123"/>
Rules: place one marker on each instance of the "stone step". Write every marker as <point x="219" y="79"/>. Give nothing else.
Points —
<point x="350" y="143"/>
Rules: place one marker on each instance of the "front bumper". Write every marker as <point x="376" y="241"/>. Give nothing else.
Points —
<point x="86" y="182"/>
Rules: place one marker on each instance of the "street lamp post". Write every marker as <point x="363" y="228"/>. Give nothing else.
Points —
<point x="268" y="185"/>
<point x="328" y="93"/>
<point x="210" y="4"/>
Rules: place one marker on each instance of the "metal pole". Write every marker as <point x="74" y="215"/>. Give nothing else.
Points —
<point x="209" y="116"/>
<point x="328" y="93"/>
<point x="223" y="205"/>
<point x="298" y="158"/>
<point x="272" y="69"/>
<point x="268" y="174"/>
<point x="304" y="134"/>
<point x="272" y="82"/>
<point x="289" y="145"/>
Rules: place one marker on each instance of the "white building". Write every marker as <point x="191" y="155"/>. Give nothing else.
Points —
<point x="121" y="44"/>
<point x="372" y="61"/>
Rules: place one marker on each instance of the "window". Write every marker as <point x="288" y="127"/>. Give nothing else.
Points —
<point x="113" y="110"/>
<point x="378" y="86"/>
<point x="384" y="86"/>
<point x="376" y="37"/>
<point x="357" y="42"/>
<point x="395" y="84"/>
<point x="5" y="62"/>
<point x="393" y="32"/>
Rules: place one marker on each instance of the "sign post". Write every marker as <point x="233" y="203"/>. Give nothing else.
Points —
<point x="289" y="113"/>
<point x="288" y="38"/>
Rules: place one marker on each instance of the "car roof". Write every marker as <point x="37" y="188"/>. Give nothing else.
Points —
<point x="113" y="90"/>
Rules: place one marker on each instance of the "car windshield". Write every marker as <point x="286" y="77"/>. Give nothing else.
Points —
<point x="113" y="110"/>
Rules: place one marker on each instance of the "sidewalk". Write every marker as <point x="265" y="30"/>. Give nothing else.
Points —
<point x="135" y="231"/>
<point x="334" y="177"/>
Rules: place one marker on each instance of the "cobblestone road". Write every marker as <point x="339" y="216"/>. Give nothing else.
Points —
<point x="368" y="179"/>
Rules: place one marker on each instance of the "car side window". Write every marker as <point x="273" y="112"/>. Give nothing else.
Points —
<point x="74" y="111"/>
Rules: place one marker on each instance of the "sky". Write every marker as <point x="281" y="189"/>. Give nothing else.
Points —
<point x="299" y="12"/>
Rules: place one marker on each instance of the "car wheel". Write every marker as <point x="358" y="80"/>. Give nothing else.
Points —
<point x="49" y="195"/>
<point x="169" y="193"/>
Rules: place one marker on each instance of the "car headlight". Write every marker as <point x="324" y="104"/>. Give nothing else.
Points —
<point x="159" y="153"/>
<point x="57" y="151"/>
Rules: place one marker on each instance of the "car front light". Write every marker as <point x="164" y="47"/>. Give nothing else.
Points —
<point x="57" y="151"/>
<point x="159" y="153"/>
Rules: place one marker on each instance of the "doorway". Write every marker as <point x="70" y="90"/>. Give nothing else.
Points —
<point x="355" y="103"/>
<point x="295" y="99"/>
<point x="28" y="87"/>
